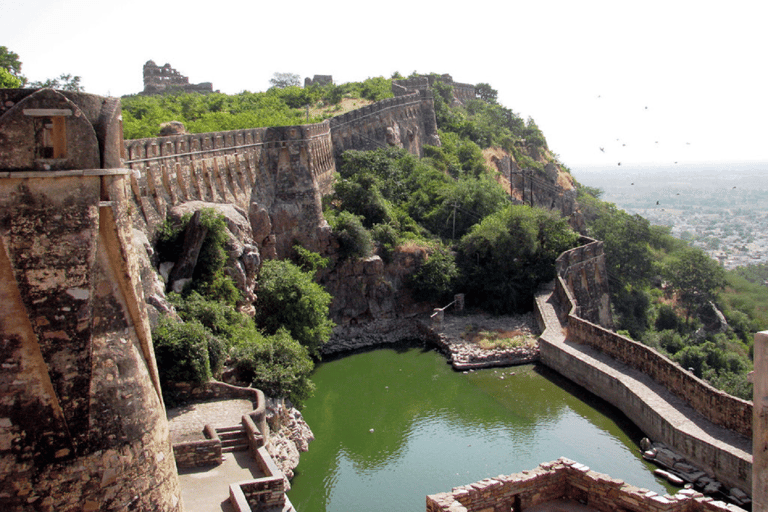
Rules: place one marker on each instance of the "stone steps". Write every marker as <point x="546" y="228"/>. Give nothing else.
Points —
<point x="233" y="439"/>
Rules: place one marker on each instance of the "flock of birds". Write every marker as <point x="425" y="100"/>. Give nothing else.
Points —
<point x="623" y="144"/>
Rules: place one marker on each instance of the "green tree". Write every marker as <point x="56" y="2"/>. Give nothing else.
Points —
<point x="696" y="278"/>
<point x="486" y="93"/>
<point x="283" y="80"/>
<point x="8" y="80"/>
<point x="10" y="62"/>
<point x="289" y="298"/>
<point x="64" y="82"/>
<point x="505" y="257"/>
<point x="278" y="365"/>
<point x="435" y="278"/>
<point x="181" y="350"/>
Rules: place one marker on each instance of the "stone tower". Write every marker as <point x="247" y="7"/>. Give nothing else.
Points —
<point x="82" y="423"/>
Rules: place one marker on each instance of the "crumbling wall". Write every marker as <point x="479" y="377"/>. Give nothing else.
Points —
<point x="162" y="79"/>
<point x="584" y="272"/>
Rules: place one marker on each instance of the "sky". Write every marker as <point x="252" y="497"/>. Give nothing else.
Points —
<point x="610" y="83"/>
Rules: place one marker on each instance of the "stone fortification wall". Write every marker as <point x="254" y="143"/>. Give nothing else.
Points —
<point x="162" y="79"/>
<point x="723" y="453"/>
<point x="277" y="175"/>
<point x="565" y="480"/>
<point x="406" y="121"/>
<point x="717" y="406"/>
<point x="462" y="93"/>
<point x="82" y="426"/>
<point x="586" y="278"/>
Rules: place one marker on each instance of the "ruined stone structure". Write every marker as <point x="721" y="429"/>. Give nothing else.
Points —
<point x="586" y="278"/>
<point x="82" y="423"/>
<point x="318" y="80"/>
<point x="159" y="80"/>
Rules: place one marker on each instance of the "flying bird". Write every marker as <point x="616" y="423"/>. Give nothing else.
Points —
<point x="602" y="149"/>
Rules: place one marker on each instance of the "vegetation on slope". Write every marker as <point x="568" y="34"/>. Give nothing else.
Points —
<point x="272" y="351"/>
<point x="668" y="295"/>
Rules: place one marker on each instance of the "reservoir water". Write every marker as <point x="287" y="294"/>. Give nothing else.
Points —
<point x="393" y="425"/>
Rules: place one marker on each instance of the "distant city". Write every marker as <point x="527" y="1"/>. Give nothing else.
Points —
<point x="721" y="208"/>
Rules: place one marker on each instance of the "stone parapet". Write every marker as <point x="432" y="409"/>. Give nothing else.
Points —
<point x="566" y="480"/>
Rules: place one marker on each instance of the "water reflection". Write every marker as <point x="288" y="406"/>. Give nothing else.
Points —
<point x="394" y="426"/>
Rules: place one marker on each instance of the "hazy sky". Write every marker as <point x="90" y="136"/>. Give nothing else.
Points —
<point x="671" y="80"/>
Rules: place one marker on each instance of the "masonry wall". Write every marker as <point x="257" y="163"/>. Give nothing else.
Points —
<point x="567" y="480"/>
<point x="280" y="173"/>
<point x="406" y="121"/>
<point x="586" y="277"/>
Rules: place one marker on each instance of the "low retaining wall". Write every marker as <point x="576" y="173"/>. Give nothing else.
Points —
<point x="261" y="493"/>
<point x="717" y="406"/>
<point x="202" y="453"/>
<point x="565" y="480"/>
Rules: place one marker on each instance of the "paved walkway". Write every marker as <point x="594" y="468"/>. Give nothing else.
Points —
<point x="207" y="489"/>
<point x="673" y="409"/>
<point x="186" y="423"/>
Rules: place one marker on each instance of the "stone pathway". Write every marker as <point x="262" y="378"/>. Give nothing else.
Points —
<point x="186" y="423"/>
<point x="678" y="414"/>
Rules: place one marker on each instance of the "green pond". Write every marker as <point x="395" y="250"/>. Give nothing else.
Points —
<point x="394" y="425"/>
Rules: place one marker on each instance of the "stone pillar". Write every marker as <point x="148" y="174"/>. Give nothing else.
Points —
<point x="760" y="424"/>
<point x="437" y="318"/>
<point x="458" y="301"/>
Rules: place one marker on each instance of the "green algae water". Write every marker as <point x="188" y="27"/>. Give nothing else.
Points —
<point x="393" y="425"/>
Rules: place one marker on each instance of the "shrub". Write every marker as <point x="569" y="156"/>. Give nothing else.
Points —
<point x="181" y="350"/>
<point x="278" y="365"/>
<point x="354" y="240"/>
<point x="289" y="298"/>
<point x="435" y="277"/>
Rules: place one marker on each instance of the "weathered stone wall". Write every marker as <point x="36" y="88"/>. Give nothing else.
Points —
<point x="261" y="493"/>
<point x="461" y="92"/>
<point x="278" y="175"/>
<point x="406" y="121"/>
<point x="82" y="425"/>
<point x="202" y="453"/>
<point x="565" y="480"/>
<point x="162" y="79"/>
<point x="760" y="422"/>
<point x="586" y="277"/>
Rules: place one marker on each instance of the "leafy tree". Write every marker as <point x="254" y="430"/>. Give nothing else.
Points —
<point x="283" y="80"/>
<point x="505" y="257"/>
<point x="354" y="240"/>
<point x="8" y="80"/>
<point x="64" y="82"/>
<point x="486" y="93"/>
<point x="10" y="62"/>
<point x="696" y="278"/>
<point x="435" y="278"/>
<point x="289" y="298"/>
<point x="181" y="350"/>
<point x="278" y="365"/>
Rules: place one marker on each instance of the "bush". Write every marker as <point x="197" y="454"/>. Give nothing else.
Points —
<point x="354" y="240"/>
<point x="181" y="350"/>
<point x="504" y="258"/>
<point x="289" y="298"/>
<point x="278" y="365"/>
<point x="435" y="278"/>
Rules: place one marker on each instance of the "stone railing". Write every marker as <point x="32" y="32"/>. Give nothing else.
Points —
<point x="194" y="454"/>
<point x="565" y="480"/>
<point x="260" y="493"/>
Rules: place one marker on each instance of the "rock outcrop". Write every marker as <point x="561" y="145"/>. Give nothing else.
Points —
<point x="289" y="436"/>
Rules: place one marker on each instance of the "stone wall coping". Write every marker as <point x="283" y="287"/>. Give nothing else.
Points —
<point x="64" y="174"/>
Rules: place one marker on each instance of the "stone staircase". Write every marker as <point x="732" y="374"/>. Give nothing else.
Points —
<point x="233" y="439"/>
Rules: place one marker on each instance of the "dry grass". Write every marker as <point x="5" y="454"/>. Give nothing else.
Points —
<point x="346" y="105"/>
<point x="497" y="338"/>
